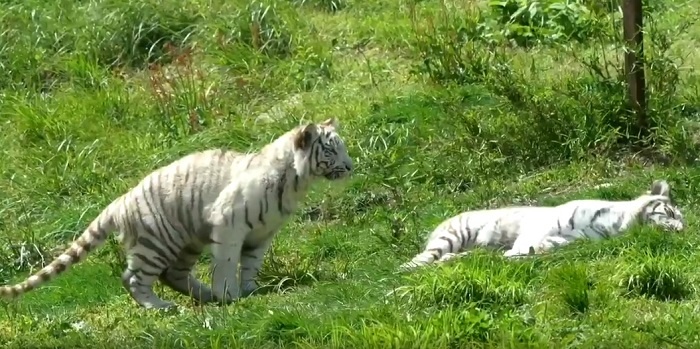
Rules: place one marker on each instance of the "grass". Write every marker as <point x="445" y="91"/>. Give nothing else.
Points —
<point x="445" y="105"/>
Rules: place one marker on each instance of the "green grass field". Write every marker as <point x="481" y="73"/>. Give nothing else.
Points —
<point x="445" y="106"/>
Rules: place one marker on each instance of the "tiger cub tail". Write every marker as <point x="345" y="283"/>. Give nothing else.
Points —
<point x="442" y="244"/>
<point x="94" y="236"/>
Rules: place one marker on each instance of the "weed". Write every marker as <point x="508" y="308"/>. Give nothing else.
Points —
<point x="182" y="95"/>
<point x="573" y="285"/>
<point x="528" y="22"/>
<point x="656" y="280"/>
<point x="325" y="5"/>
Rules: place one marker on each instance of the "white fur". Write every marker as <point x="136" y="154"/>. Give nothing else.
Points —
<point x="534" y="230"/>
<point x="244" y="195"/>
<point x="233" y="202"/>
<point x="229" y="237"/>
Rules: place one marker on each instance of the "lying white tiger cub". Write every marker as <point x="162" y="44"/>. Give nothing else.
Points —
<point x="537" y="229"/>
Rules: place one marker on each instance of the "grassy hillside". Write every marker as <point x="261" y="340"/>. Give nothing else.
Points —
<point x="445" y="105"/>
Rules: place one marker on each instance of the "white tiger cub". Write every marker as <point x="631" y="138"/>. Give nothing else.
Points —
<point x="232" y="201"/>
<point x="530" y="230"/>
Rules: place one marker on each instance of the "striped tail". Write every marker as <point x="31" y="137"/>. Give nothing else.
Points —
<point x="448" y="242"/>
<point x="94" y="236"/>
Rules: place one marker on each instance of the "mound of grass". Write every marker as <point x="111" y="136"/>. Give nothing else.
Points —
<point x="658" y="280"/>
<point x="483" y="280"/>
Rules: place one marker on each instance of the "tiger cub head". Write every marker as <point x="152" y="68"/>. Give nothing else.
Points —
<point x="660" y="210"/>
<point x="327" y="155"/>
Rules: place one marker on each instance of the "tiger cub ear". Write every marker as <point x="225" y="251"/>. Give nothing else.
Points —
<point x="305" y="136"/>
<point x="531" y="251"/>
<point x="660" y="187"/>
<point x="332" y="122"/>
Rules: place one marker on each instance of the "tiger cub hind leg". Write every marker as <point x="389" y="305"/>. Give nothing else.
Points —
<point x="144" y="267"/>
<point x="547" y="243"/>
<point x="451" y="255"/>
<point x="179" y="276"/>
<point x="516" y="252"/>
<point x="551" y="242"/>
<point x="521" y="252"/>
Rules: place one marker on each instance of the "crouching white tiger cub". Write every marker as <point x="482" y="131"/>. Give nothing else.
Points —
<point x="232" y="201"/>
<point x="537" y="229"/>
